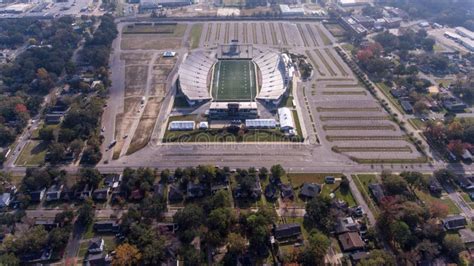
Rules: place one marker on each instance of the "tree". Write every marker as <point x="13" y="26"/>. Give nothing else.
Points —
<point x="46" y="134"/>
<point x="155" y="252"/>
<point x="394" y="184"/>
<point x="9" y="259"/>
<point x="400" y="232"/>
<point x="420" y="107"/>
<point x="378" y="257"/>
<point x="90" y="176"/>
<point x="344" y="186"/>
<point x="219" y="220"/>
<point x="58" y="238"/>
<point x="237" y="244"/>
<point x="263" y="173"/>
<point x="319" y="214"/>
<point x="414" y="179"/>
<point x="56" y="152"/>
<point x="86" y="213"/>
<point x="277" y="171"/>
<point x="318" y="246"/>
<point x="126" y="255"/>
<point x="32" y="240"/>
<point x="428" y="250"/>
<point x="438" y="209"/>
<point x="64" y="218"/>
<point x="453" y="245"/>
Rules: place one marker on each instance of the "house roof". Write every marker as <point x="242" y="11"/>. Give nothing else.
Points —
<point x="377" y="191"/>
<point x="270" y="191"/>
<point x="351" y="241"/>
<point x="174" y="193"/>
<point x="454" y="222"/>
<point x="287" y="230"/>
<point x="96" y="243"/>
<point x="310" y="190"/>
<point x="286" y="190"/>
<point x="467" y="236"/>
<point x="37" y="195"/>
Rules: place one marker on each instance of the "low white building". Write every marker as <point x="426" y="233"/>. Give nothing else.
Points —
<point x="203" y="125"/>
<point x="287" y="123"/>
<point x="465" y="32"/>
<point x="260" y="123"/>
<point x="287" y="10"/>
<point x="181" y="125"/>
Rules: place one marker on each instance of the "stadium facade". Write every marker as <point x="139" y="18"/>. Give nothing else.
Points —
<point x="234" y="79"/>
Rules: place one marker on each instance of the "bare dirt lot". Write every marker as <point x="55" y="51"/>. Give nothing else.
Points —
<point x="149" y="42"/>
<point x="145" y="126"/>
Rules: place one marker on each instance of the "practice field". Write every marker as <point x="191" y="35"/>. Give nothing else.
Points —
<point x="234" y="80"/>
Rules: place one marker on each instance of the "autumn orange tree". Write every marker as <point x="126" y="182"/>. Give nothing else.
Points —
<point x="126" y="255"/>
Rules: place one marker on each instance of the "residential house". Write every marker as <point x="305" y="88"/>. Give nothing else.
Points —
<point x="467" y="236"/>
<point x="407" y="107"/>
<point x="346" y="224"/>
<point x="329" y="179"/>
<point x="100" y="259"/>
<point x="377" y="191"/>
<point x="36" y="257"/>
<point x="454" y="222"/>
<point x="175" y="194"/>
<point x="48" y="224"/>
<point x="286" y="231"/>
<point x="271" y="192"/>
<point x="194" y="191"/>
<point x="357" y="256"/>
<point x="84" y="193"/>
<point x="466" y="156"/>
<point x="309" y="190"/>
<point x="96" y="245"/>
<point x="434" y="186"/>
<point x="351" y="241"/>
<point x="38" y="195"/>
<point x="112" y="180"/>
<point x="465" y="182"/>
<point x="5" y="200"/>
<point x="106" y="226"/>
<point x="286" y="191"/>
<point x="453" y="105"/>
<point x="159" y="190"/>
<point x="68" y="194"/>
<point x="101" y="194"/>
<point x="254" y="193"/>
<point x="52" y="119"/>
<point x="54" y="193"/>
<point x="136" y="195"/>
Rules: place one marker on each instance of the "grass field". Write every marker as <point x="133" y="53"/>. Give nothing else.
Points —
<point x="32" y="154"/>
<point x="196" y="32"/>
<point x="234" y="80"/>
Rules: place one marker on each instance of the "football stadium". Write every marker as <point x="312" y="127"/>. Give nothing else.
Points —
<point x="234" y="78"/>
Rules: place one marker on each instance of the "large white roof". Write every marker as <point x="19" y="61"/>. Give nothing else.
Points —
<point x="286" y="118"/>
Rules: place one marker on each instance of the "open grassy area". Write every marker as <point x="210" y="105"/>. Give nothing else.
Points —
<point x="32" y="154"/>
<point x="234" y="80"/>
<point x="372" y="149"/>
<point x="195" y="37"/>
<point x="417" y="123"/>
<point x="428" y="198"/>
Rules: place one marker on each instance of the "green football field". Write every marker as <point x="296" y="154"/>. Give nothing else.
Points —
<point x="234" y="80"/>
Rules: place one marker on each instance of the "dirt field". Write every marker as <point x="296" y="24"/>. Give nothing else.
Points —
<point x="149" y="42"/>
<point x="135" y="75"/>
<point x="145" y="126"/>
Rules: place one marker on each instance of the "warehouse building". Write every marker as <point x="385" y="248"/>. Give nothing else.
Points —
<point x="465" y="32"/>
<point x="181" y="125"/>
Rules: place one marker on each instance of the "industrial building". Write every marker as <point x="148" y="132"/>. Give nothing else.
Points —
<point x="349" y="3"/>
